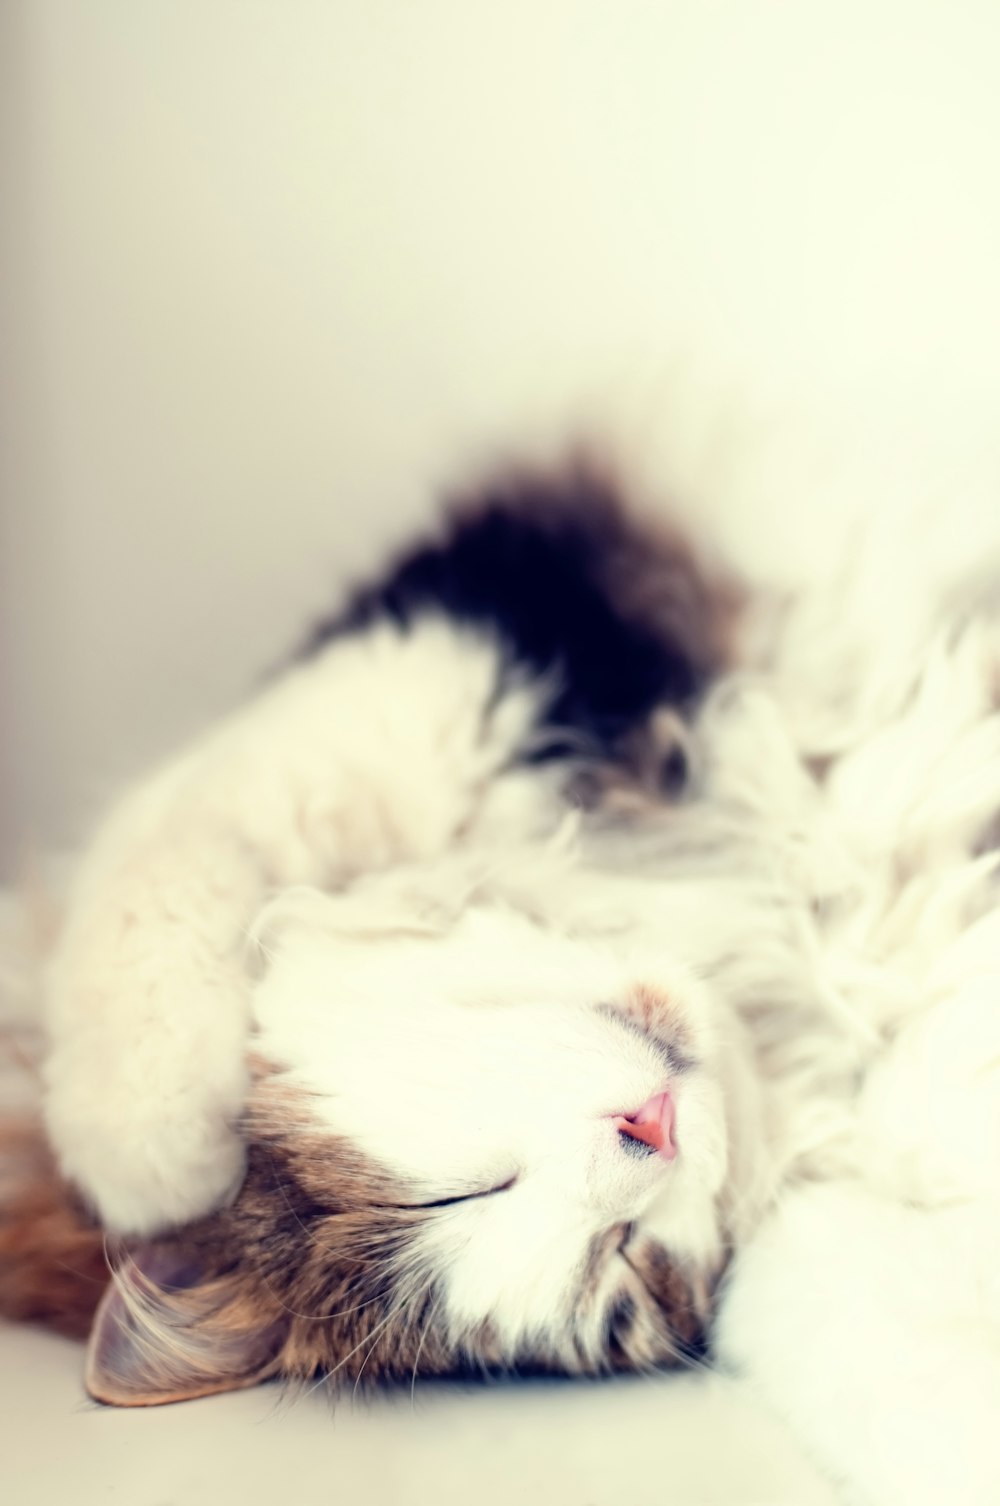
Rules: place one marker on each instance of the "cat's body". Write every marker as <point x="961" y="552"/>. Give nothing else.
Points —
<point x="492" y="1036"/>
<point x="511" y="1079"/>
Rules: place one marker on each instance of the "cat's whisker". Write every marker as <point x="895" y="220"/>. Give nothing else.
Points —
<point x="420" y="1349"/>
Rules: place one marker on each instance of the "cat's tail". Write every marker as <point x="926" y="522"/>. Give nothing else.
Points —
<point x="53" y="1269"/>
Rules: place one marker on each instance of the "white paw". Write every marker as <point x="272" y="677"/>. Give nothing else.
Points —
<point x="146" y="1160"/>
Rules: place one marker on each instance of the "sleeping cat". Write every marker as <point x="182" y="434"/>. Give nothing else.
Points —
<point x="478" y="1112"/>
<point x="526" y="949"/>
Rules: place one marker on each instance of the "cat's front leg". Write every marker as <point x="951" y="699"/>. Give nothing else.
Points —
<point x="148" y="1017"/>
<point x="376" y="751"/>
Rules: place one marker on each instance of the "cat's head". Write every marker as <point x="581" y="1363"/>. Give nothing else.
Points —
<point x="472" y="1147"/>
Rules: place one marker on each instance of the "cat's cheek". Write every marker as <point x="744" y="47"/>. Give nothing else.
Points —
<point x="513" y="1262"/>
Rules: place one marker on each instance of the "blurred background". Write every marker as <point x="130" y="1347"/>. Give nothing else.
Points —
<point x="277" y="272"/>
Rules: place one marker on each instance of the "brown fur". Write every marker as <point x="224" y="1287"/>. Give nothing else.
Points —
<point x="309" y="1273"/>
<point x="657" y="1014"/>
<point x="52" y="1263"/>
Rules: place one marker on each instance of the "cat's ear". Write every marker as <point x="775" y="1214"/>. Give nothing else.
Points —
<point x="164" y="1332"/>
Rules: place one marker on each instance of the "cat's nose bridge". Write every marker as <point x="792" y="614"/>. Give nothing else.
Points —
<point x="653" y="1124"/>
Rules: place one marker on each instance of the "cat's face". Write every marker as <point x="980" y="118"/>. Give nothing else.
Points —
<point x="485" y="1148"/>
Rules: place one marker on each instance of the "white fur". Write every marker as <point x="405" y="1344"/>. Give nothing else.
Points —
<point x="831" y="898"/>
<point x="484" y="1053"/>
<point x="874" y="1328"/>
<point x="382" y="749"/>
<point x="867" y="1311"/>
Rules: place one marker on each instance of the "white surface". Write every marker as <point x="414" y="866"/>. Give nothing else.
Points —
<point x="686" y="1442"/>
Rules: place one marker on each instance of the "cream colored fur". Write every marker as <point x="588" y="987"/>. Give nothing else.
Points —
<point x="832" y="891"/>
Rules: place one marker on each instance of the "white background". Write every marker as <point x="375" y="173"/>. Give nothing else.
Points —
<point x="278" y="271"/>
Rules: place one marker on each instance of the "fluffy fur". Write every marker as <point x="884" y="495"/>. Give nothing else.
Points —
<point x="453" y="994"/>
<point x="420" y="719"/>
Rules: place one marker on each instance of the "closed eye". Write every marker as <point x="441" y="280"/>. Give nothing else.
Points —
<point x="459" y="1197"/>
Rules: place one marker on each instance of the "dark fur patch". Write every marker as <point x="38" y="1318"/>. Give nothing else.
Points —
<point x="620" y="618"/>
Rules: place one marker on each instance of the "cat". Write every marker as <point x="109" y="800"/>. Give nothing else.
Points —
<point x="464" y="1116"/>
<point x="541" y="974"/>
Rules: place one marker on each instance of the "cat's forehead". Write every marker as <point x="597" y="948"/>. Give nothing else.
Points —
<point x="454" y="979"/>
<point x="476" y="999"/>
<point x="483" y="956"/>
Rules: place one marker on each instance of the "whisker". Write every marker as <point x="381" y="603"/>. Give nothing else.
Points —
<point x="420" y="1348"/>
<point x="327" y="1375"/>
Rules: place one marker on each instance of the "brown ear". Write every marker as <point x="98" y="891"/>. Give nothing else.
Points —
<point x="166" y="1332"/>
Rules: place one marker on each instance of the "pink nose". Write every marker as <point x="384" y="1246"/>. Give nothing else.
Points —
<point x="653" y="1124"/>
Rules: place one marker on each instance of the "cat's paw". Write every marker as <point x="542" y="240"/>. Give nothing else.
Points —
<point x="146" y="1161"/>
